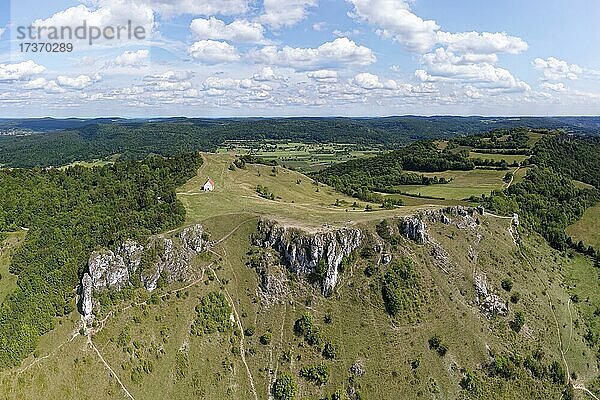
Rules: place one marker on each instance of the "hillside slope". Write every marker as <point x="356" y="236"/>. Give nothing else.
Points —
<point x="425" y="307"/>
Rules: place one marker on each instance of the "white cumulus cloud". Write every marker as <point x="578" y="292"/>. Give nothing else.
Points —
<point x="106" y="13"/>
<point x="397" y="22"/>
<point x="213" y="52"/>
<point x="443" y="65"/>
<point x="133" y="58"/>
<point x="323" y="75"/>
<point x="78" y="82"/>
<point x="237" y="31"/>
<point x="10" y="72"/>
<point x="282" y="13"/>
<point x="369" y="81"/>
<point x="340" y="52"/>
<point x="481" y="43"/>
<point x="555" y="87"/>
<point x="555" y="69"/>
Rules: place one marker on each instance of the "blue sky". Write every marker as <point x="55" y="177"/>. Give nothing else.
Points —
<point x="306" y="57"/>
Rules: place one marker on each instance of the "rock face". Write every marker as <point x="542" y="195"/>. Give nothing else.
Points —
<point x="174" y="260"/>
<point x="273" y="286"/>
<point x="87" y="305"/>
<point x="131" y="252"/>
<point x="490" y="303"/>
<point x="414" y="229"/>
<point x="462" y="217"/>
<point x="107" y="271"/>
<point x="110" y="271"/>
<point x="302" y="252"/>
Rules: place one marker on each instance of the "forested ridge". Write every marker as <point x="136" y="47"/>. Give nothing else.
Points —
<point x="546" y="202"/>
<point x="547" y="199"/>
<point x="574" y="156"/>
<point x="50" y="142"/>
<point x="69" y="213"/>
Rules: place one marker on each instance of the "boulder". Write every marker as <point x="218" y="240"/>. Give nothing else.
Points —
<point x="490" y="303"/>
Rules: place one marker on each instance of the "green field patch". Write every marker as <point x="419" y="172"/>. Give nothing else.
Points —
<point x="305" y="157"/>
<point x="586" y="229"/>
<point x="509" y="158"/>
<point x="463" y="184"/>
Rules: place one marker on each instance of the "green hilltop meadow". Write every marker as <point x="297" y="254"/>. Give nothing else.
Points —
<point x="464" y="267"/>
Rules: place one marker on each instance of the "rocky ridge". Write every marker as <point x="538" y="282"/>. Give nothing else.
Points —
<point x="302" y="251"/>
<point x="160" y="257"/>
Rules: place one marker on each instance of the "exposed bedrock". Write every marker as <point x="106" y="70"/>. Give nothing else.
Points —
<point x="160" y="257"/>
<point x="303" y="252"/>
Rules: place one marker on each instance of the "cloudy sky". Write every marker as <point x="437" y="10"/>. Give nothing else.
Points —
<point x="307" y="57"/>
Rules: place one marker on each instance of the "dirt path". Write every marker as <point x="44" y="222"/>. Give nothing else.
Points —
<point x="232" y="232"/>
<point x="512" y="179"/>
<point x="112" y="372"/>
<point x="489" y="214"/>
<point x="56" y="350"/>
<point x="586" y="390"/>
<point x="273" y="377"/>
<point x="241" y="328"/>
<point x="556" y="323"/>
<point x="237" y="318"/>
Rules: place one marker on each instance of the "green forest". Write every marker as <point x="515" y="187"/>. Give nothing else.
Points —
<point x="574" y="156"/>
<point x="68" y="213"/>
<point x="52" y="142"/>
<point x="546" y="202"/>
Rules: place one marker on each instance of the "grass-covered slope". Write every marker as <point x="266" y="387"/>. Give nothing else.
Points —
<point x="434" y="342"/>
<point x="155" y="353"/>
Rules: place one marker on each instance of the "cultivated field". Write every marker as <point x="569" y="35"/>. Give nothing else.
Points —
<point x="509" y="158"/>
<point x="305" y="157"/>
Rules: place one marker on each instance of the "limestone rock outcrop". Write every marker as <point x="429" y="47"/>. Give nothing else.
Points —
<point x="87" y="305"/>
<point x="490" y="303"/>
<point x="414" y="229"/>
<point x="169" y="258"/>
<point x="131" y="252"/>
<point x="107" y="271"/>
<point x="302" y="251"/>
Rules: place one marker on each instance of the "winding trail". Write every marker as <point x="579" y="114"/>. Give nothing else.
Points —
<point x="241" y="328"/>
<point x="39" y="360"/>
<point x="109" y="368"/>
<point x="512" y="179"/>
<point x="586" y="390"/>
<point x="579" y="386"/>
<point x="234" y="309"/>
